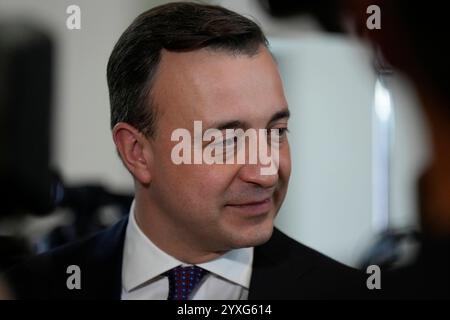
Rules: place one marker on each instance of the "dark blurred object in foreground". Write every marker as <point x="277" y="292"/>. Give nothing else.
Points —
<point x="25" y="109"/>
<point x="29" y="186"/>
<point x="412" y="37"/>
<point x="413" y="40"/>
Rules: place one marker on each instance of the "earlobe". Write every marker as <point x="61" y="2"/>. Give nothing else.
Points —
<point x="133" y="150"/>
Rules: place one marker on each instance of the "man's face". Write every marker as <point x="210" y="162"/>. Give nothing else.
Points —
<point x="217" y="206"/>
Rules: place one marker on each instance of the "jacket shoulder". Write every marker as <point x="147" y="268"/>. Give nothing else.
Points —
<point x="297" y="271"/>
<point x="296" y="252"/>
<point x="45" y="276"/>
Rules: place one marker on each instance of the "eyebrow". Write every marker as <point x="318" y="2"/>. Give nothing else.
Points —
<point x="280" y="115"/>
<point x="233" y="124"/>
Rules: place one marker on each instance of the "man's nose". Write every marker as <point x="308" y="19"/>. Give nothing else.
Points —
<point x="251" y="173"/>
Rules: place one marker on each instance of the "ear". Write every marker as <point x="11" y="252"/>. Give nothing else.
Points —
<point x="135" y="151"/>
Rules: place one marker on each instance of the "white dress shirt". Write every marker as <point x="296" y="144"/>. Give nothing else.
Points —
<point x="144" y="263"/>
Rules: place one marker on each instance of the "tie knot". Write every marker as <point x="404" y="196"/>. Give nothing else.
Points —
<point x="182" y="280"/>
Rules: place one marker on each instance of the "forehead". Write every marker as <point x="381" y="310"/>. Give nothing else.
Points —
<point x="209" y="85"/>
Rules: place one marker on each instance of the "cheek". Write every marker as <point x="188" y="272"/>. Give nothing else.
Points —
<point x="210" y="182"/>
<point x="201" y="186"/>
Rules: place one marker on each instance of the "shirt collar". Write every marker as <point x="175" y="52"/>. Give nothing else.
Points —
<point x="143" y="261"/>
<point x="235" y="266"/>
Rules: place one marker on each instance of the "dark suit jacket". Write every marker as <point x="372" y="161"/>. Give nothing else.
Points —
<point x="282" y="269"/>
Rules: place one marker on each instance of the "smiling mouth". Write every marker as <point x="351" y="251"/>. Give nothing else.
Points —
<point x="253" y="208"/>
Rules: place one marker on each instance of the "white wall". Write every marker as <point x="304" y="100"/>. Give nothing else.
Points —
<point x="329" y="86"/>
<point x="83" y="146"/>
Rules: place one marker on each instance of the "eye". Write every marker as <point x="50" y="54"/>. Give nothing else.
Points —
<point x="281" y="132"/>
<point x="224" y="145"/>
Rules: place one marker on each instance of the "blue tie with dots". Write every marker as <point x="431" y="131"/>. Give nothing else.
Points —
<point x="182" y="280"/>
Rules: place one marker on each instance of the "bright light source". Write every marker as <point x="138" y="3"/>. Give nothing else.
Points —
<point x="383" y="108"/>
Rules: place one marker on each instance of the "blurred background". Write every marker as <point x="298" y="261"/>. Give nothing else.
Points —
<point x="357" y="140"/>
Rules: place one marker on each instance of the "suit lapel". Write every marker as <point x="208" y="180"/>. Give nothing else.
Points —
<point x="104" y="265"/>
<point x="275" y="268"/>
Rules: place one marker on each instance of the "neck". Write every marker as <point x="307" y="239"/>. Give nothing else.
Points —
<point x="434" y="186"/>
<point x="170" y="238"/>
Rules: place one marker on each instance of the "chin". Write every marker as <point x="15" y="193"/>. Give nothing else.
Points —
<point x="254" y="237"/>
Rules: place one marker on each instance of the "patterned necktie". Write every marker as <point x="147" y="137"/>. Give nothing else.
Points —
<point x="182" y="280"/>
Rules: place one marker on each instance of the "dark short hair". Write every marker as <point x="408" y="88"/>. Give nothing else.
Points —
<point x="179" y="27"/>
